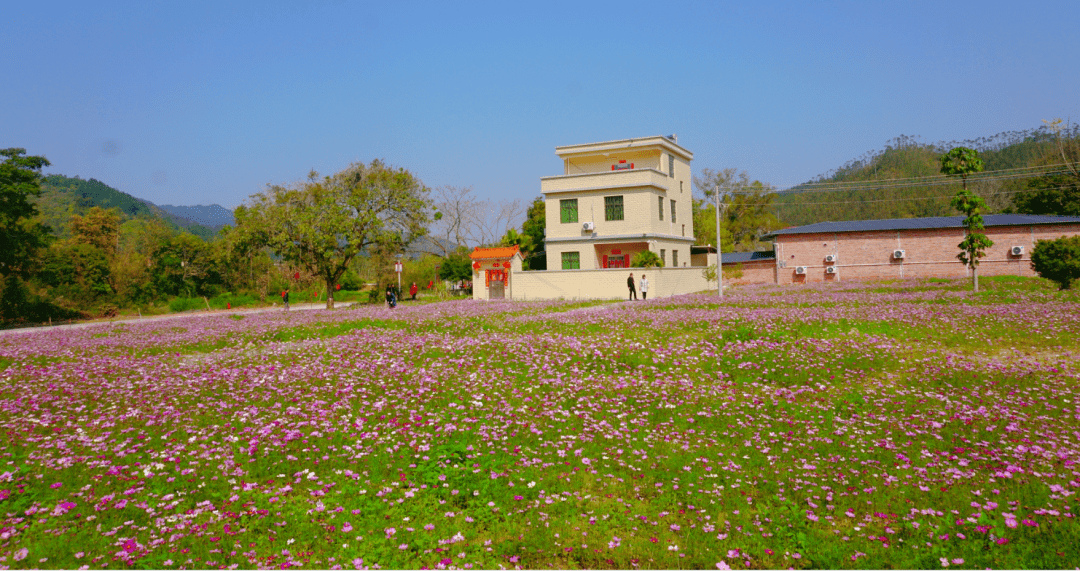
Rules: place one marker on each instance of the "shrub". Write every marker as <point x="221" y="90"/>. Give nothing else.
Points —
<point x="186" y="304"/>
<point x="1057" y="260"/>
<point x="351" y="281"/>
<point x="226" y="299"/>
<point x="646" y="259"/>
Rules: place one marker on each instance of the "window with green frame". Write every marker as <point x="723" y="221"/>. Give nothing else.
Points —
<point x="613" y="208"/>
<point x="568" y="210"/>
<point x="661" y="202"/>
<point x="673" y="211"/>
<point x="571" y="260"/>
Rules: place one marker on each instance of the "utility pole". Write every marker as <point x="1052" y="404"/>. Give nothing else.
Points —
<point x="719" y="261"/>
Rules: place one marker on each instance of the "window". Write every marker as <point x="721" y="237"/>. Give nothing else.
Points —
<point x="680" y="187"/>
<point x="661" y="201"/>
<point x="571" y="260"/>
<point x="568" y="210"/>
<point x="613" y="208"/>
<point x="684" y="229"/>
<point x="671" y="166"/>
<point x="673" y="211"/>
<point x="674" y="258"/>
<point x="663" y="254"/>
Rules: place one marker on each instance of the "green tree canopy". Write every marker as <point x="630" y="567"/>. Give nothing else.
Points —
<point x="746" y="213"/>
<point x="99" y="228"/>
<point x="323" y="223"/>
<point x="20" y="235"/>
<point x="1057" y="192"/>
<point x="456" y="266"/>
<point x="962" y="162"/>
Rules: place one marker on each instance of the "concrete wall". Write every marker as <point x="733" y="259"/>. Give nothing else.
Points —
<point x="605" y="284"/>
<point x="927" y="253"/>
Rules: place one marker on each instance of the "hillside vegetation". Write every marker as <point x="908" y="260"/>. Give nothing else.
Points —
<point x="63" y="196"/>
<point x="906" y="158"/>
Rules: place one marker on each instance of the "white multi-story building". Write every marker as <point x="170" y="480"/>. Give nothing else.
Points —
<point x="617" y="198"/>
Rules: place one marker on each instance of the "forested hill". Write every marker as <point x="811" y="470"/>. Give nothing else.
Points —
<point x="865" y="197"/>
<point x="62" y="196"/>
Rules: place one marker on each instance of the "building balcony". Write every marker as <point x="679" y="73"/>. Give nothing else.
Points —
<point x="630" y="178"/>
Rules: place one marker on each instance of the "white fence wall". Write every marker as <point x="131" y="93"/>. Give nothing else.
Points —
<point x="605" y="283"/>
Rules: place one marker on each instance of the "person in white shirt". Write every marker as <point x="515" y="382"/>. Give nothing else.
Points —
<point x="644" y="287"/>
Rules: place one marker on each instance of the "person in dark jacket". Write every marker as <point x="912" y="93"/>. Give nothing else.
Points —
<point x="285" y="298"/>
<point x="630" y="284"/>
<point x="391" y="297"/>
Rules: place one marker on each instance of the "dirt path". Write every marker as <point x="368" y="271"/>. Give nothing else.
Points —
<point x="166" y="317"/>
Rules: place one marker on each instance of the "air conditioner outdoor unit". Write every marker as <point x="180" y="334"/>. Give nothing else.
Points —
<point x="588" y="226"/>
<point x="800" y="270"/>
<point x="830" y="258"/>
<point x="1018" y="250"/>
<point x="898" y="254"/>
<point x="830" y="269"/>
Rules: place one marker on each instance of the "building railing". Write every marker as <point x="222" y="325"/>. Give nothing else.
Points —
<point x="606" y="179"/>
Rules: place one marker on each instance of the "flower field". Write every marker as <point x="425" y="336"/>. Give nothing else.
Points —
<point x="904" y="425"/>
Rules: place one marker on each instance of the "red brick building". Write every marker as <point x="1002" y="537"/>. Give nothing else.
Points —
<point x="900" y="248"/>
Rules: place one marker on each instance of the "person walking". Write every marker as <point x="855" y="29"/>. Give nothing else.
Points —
<point x="630" y="284"/>
<point x="413" y="290"/>
<point x="644" y="287"/>
<point x="285" y="298"/>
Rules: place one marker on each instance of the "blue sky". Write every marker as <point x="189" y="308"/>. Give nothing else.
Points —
<point x="196" y="103"/>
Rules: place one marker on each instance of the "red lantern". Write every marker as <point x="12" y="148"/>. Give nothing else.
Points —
<point x="476" y="265"/>
<point x="337" y="286"/>
<point x="506" y="265"/>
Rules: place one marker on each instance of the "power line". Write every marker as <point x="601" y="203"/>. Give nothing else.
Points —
<point x="907" y="199"/>
<point x="937" y="180"/>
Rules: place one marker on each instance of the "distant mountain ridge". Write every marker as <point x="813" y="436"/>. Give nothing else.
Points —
<point x="211" y="215"/>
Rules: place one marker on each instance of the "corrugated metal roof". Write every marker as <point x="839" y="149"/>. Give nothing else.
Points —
<point x="925" y="223"/>
<point x="741" y="257"/>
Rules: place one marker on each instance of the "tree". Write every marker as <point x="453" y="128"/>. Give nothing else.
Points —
<point x="99" y="228"/>
<point x="646" y="259"/>
<point x="457" y="266"/>
<point x="322" y="224"/>
<point x="974" y="245"/>
<point x="531" y="238"/>
<point x="1057" y="260"/>
<point x="20" y="236"/>
<point x="746" y="213"/>
<point x="1055" y="193"/>
<point x="962" y="162"/>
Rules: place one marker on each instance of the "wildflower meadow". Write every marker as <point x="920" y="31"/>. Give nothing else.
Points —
<point x="876" y="425"/>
